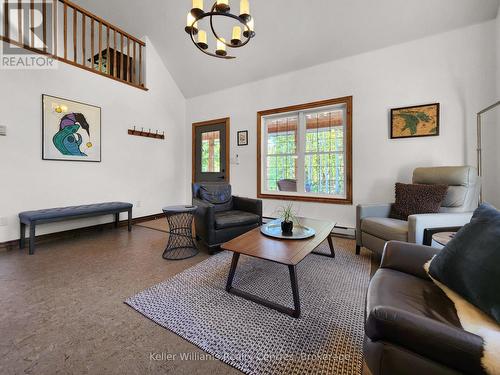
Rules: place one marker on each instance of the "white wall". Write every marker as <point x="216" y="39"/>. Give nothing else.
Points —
<point x="455" y="69"/>
<point x="132" y="169"/>
<point x="491" y="137"/>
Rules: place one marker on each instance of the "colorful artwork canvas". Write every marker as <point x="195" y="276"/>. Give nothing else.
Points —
<point x="418" y="121"/>
<point x="70" y="130"/>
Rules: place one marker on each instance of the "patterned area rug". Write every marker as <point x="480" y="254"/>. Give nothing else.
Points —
<point x="327" y="339"/>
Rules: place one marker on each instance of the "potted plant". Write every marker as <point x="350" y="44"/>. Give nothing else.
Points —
<point x="288" y="216"/>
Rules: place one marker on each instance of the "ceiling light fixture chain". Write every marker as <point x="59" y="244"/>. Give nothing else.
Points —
<point x="220" y="8"/>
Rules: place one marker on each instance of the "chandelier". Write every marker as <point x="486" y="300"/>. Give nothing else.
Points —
<point x="220" y="8"/>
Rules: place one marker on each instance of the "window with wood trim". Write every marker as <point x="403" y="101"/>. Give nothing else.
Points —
<point x="305" y="152"/>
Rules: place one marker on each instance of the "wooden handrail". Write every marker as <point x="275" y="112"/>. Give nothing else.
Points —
<point x="44" y="20"/>
<point x="6" y="22"/>
<point x="108" y="61"/>
<point x="104" y="22"/>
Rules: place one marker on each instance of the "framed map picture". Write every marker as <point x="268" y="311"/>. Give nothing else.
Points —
<point x="418" y="121"/>
<point x="70" y="130"/>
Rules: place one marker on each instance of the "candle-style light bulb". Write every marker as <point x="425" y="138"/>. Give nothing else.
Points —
<point x="202" y="39"/>
<point x="222" y="6"/>
<point x="236" y="39"/>
<point x="197" y="9"/>
<point x="221" y="47"/>
<point x="198" y="4"/>
<point x="251" y="26"/>
<point x="189" y="24"/>
<point x="244" y="7"/>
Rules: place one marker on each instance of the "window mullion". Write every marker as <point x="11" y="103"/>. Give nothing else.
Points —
<point x="264" y="146"/>
<point x="301" y="149"/>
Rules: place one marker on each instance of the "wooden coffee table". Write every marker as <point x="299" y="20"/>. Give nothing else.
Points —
<point x="286" y="252"/>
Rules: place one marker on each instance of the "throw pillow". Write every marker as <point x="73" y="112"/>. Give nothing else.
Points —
<point x="219" y="195"/>
<point x="470" y="263"/>
<point x="414" y="199"/>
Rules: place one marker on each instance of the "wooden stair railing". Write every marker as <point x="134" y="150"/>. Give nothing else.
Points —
<point x="119" y="55"/>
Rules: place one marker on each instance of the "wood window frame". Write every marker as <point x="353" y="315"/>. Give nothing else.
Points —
<point x="347" y="101"/>
<point x="227" y="123"/>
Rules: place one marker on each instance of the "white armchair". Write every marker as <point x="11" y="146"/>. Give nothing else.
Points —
<point x="374" y="227"/>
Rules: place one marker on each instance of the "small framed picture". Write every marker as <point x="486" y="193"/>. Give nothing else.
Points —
<point x="243" y="138"/>
<point x="417" y="121"/>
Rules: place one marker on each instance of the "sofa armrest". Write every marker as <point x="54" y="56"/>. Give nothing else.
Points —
<point x="204" y="218"/>
<point x="370" y="210"/>
<point x="443" y="343"/>
<point x="417" y="223"/>
<point x="408" y="258"/>
<point x="248" y="205"/>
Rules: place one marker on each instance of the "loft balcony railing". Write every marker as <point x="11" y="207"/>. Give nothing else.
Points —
<point x="66" y="32"/>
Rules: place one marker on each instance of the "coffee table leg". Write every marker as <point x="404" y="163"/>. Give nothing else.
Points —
<point x="295" y="291"/>
<point x="295" y="312"/>
<point x="232" y="271"/>
<point x="332" y="249"/>
<point x="330" y="243"/>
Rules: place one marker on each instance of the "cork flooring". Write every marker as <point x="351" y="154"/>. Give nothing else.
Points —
<point x="62" y="309"/>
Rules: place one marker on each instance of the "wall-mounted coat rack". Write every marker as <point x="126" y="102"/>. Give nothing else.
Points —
<point x="147" y="134"/>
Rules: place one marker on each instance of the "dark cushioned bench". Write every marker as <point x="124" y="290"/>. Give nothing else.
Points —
<point x="32" y="218"/>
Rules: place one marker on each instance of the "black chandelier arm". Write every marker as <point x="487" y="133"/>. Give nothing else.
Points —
<point x="214" y="12"/>
<point x="230" y="45"/>
<point x="192" y="30"/>
<point x="206" y="52"/>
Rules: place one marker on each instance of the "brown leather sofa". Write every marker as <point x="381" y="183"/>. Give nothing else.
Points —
<point x="411" y="327"/>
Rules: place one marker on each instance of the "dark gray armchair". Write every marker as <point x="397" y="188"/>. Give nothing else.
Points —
<point x="220" y="216"/>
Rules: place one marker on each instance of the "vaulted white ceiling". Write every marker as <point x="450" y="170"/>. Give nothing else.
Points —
<point x="291" y="34"/>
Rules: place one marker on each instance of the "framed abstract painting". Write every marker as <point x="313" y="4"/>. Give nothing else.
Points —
<point x="417" y="121"/>
<point x="71" y="130"/>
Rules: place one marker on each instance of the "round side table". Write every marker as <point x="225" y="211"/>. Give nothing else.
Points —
<point x="443" y="238"/>
<point x="180" y="243"/>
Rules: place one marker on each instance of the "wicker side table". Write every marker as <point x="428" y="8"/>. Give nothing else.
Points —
<point x="180" y="243"/>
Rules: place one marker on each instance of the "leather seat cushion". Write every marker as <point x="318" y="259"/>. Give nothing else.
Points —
<point x="386" y="228"/>
<point x="66" y="212"/>
<point x="234" y="218"/>
<point x="412" y="294"/>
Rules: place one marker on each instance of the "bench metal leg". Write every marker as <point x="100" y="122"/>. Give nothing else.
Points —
<point x="130" y="220"/>
<point x="117" y="219"/>
<point x="32" y="238"/>
<point x="22" y="238"/>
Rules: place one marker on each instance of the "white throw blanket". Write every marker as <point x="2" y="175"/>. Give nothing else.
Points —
<point x="477" y="322"/>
